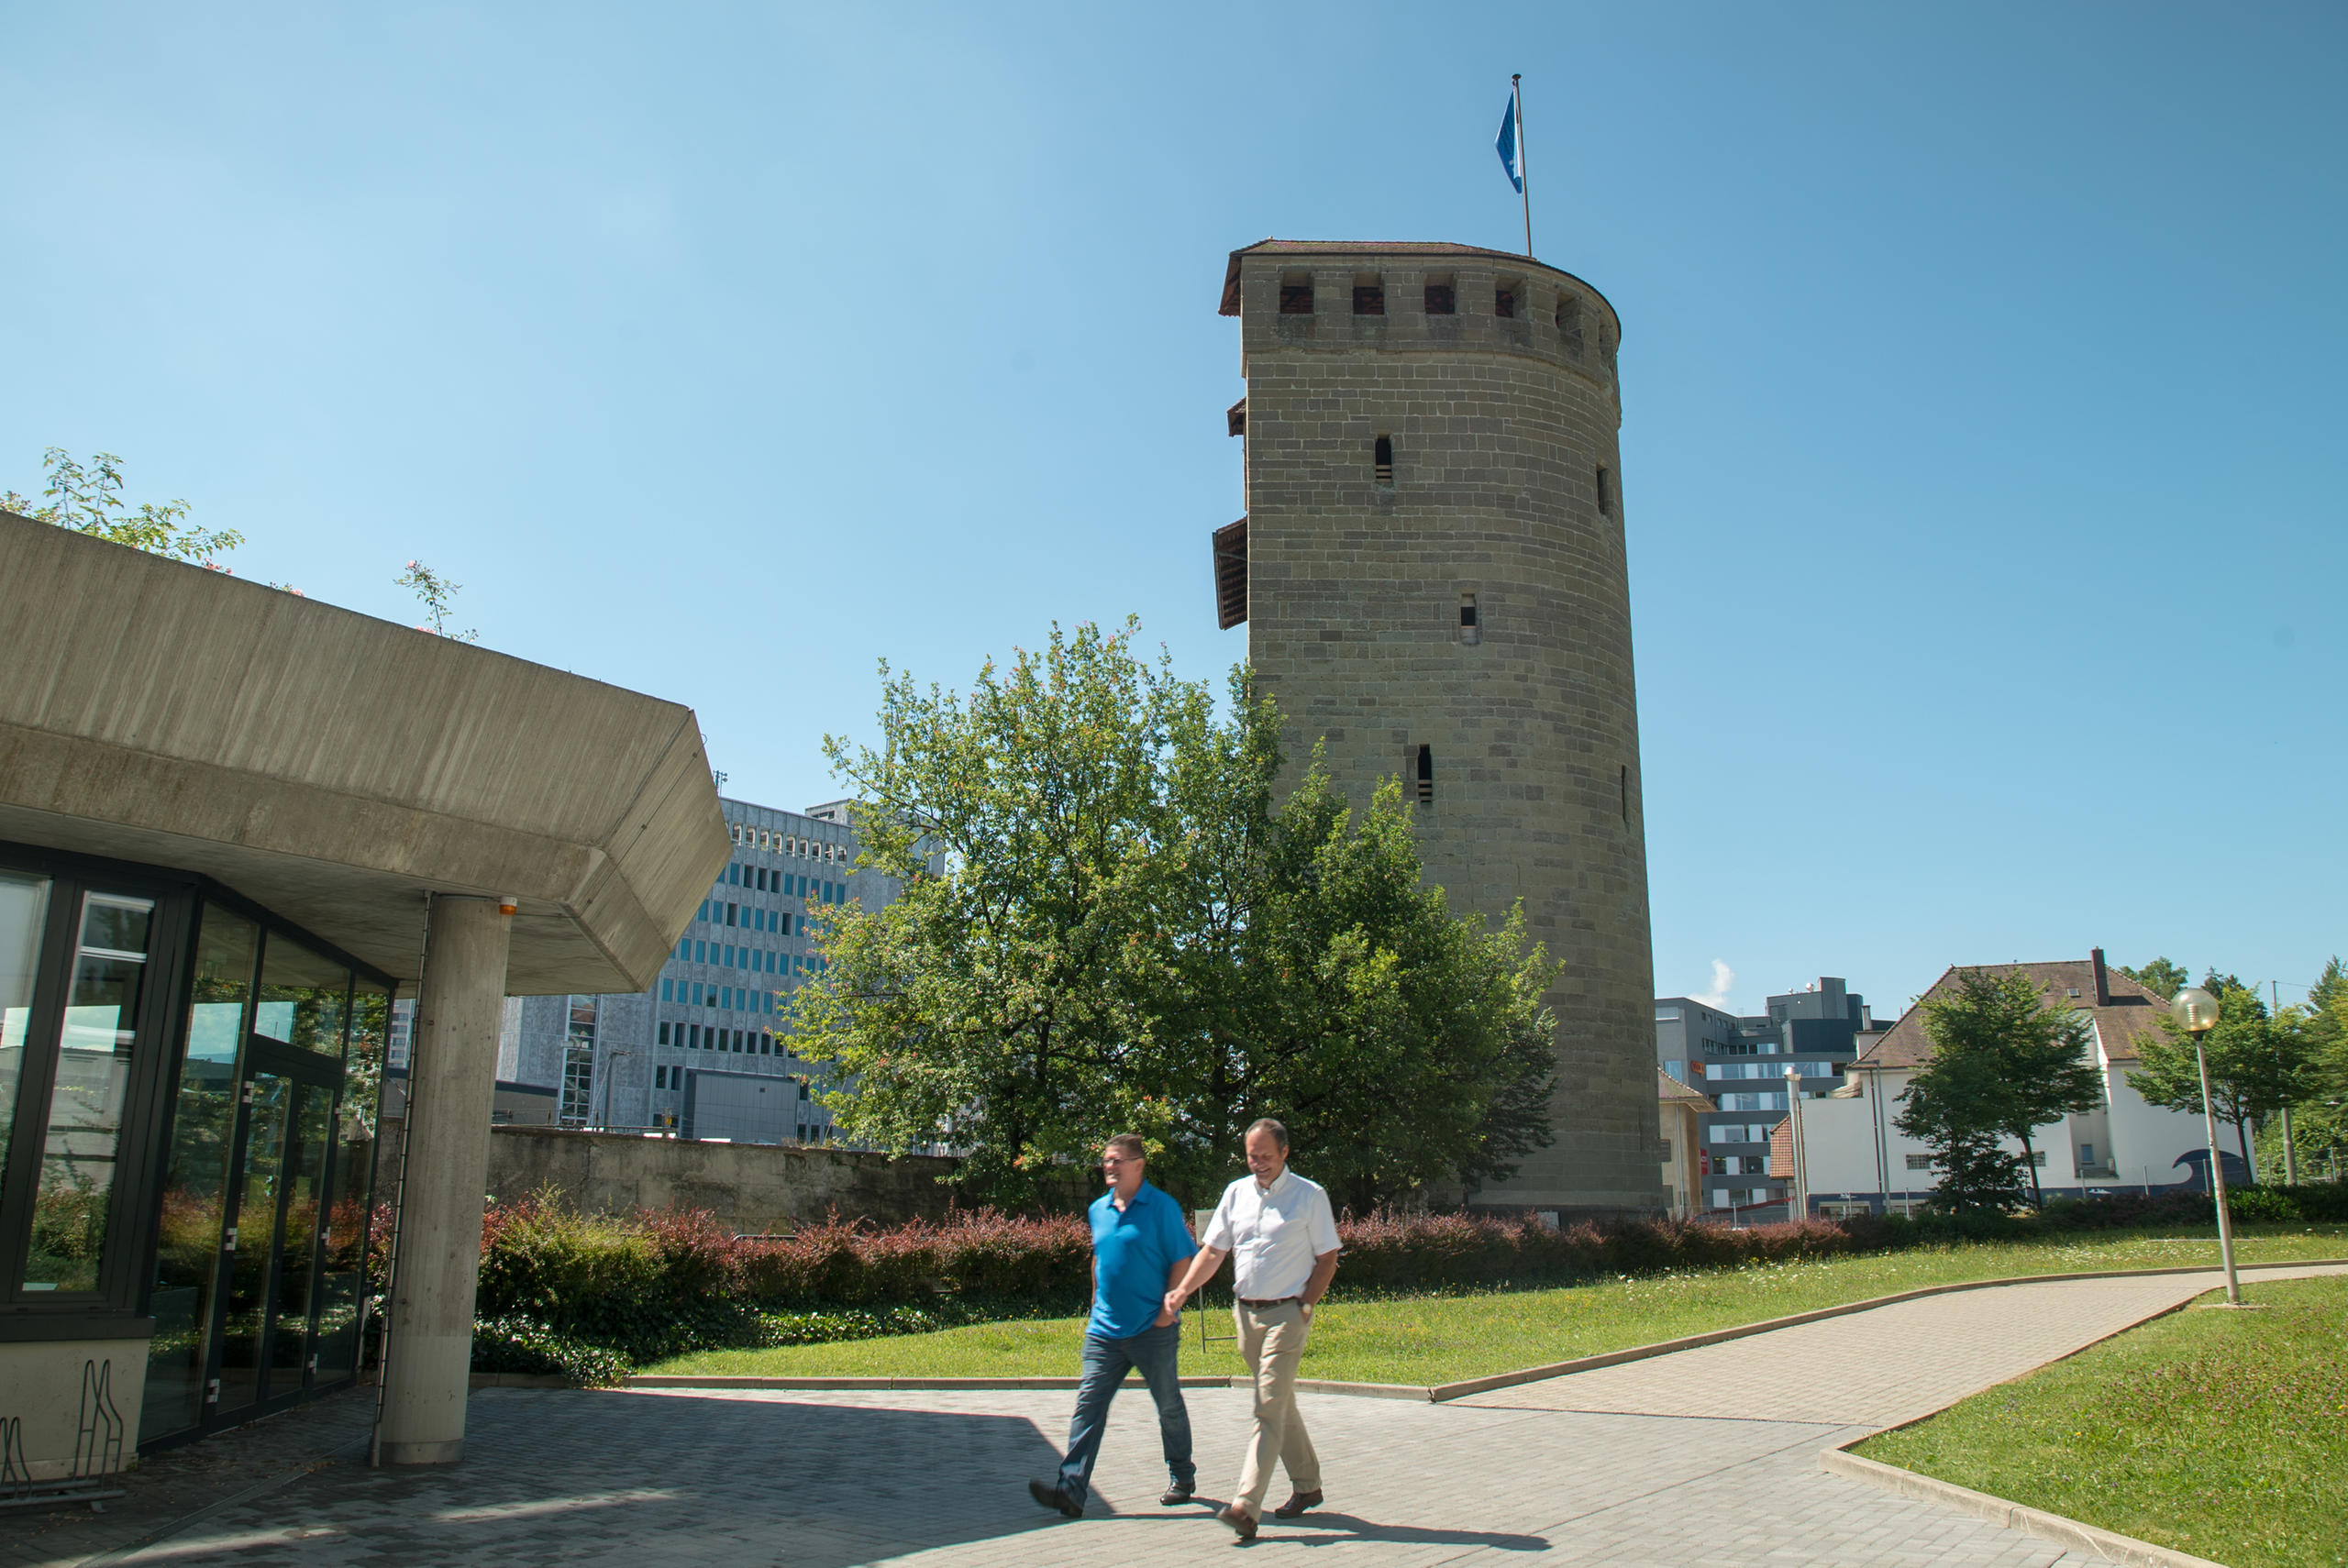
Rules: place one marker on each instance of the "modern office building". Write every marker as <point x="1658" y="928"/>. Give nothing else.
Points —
<point x="1433" y="574"/>
<point x="1741" y="1063"/>
<point x="705" y="1052"/>
<point x="233" y="823"/>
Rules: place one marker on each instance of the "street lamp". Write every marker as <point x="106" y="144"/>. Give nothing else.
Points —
<point x="2196" y="1012"/>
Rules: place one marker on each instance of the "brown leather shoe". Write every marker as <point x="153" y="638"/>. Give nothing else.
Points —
<point x="1296" y="1505"/>
<point x="1242" y="1522"/>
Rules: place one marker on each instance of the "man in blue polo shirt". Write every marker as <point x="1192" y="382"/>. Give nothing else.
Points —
<point x="1140" y="1243"/>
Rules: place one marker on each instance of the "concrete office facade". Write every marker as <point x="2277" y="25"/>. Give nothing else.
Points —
<point x="1433" y="576"/>
<point x="233" y="824"/>
<point x="632" y="1060"/>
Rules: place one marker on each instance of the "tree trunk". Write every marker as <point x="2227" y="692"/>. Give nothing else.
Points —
<point x="2248" y="1166"/>
<point x="2029" y="1159"/>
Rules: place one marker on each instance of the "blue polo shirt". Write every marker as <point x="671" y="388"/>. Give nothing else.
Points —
<point x="1133" y="1251"/>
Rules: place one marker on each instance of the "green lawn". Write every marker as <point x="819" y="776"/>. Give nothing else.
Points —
<point x="2224" y="1434"/>
<point x="1440" y="1339"/>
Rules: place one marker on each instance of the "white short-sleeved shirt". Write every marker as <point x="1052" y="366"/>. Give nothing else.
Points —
<point x="1272" y="1235"/>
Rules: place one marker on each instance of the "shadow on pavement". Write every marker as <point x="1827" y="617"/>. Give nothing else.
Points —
<point x="1320" y="1528"/>
<point x="637" y="1480"/>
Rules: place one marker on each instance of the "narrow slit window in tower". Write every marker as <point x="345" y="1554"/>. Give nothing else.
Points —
<point x="1605" y="492"/>
<point x="1442" y="300"/>
<point x="1505" y="301"/>
<point x="1296" y="296"/>
<point x="1370" y="296"/>
<point x="1381" y="460"/>
<point x="1426" y="776"/>
<point x="1626" y="794"/>
<point x="1570" y="322"/>
<point x="1472" y="627"/>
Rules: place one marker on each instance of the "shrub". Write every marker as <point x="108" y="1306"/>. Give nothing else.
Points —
<point x="647" y="1285"/>
<point x="982" y="1254"/>
<point x="517" y="1345"/>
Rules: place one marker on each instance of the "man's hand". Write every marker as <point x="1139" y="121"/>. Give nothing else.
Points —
<point x="1164" y="1316"/>
<point x="1170" y="1306"/>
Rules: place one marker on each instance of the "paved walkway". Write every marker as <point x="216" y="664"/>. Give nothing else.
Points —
<point x="1705" y="1457"/>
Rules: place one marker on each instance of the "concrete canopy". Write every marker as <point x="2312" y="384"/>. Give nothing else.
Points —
<point x="336" y="768"/>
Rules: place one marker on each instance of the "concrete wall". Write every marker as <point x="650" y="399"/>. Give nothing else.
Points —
<point x="753" y="1188"/>
<point x="45" y="1382"/>
<point x="1354" y="591"/>
<point x="335" y="768"/>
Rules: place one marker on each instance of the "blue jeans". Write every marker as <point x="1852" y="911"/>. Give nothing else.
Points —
<point x="1106" y="1362"/>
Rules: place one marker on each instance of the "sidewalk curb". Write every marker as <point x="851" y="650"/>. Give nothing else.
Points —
<point x="1444" y="1392"/>
<point x="2069" y="1533"/>
<point x="869" y="1385"/>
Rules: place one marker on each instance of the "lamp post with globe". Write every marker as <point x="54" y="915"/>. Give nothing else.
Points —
<point x="2196" y="1012"/>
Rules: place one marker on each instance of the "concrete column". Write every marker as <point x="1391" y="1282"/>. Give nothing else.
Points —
<point x="452" y="1077"/>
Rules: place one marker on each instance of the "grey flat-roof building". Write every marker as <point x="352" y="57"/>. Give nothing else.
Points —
<point x="1742" y="1061"/>
<point x="628" y="1060"/>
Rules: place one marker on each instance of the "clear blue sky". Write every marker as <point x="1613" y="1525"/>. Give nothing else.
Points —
<point x="1982" y="372"/>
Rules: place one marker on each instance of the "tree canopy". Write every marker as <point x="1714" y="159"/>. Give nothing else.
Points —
<point x="1111" y="923"/>
<point x="2003" y="1064"/>
<point x="2258" y="1064"/>
<point x="2161" y="976"/>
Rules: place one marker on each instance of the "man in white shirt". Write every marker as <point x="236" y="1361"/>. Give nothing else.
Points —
<point x="1276" y="1229"/>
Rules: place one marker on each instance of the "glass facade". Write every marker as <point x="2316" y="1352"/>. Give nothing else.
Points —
<point x="187" y="1103"/>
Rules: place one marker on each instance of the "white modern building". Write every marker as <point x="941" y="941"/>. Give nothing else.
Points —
<point x="1855" y="1160"/>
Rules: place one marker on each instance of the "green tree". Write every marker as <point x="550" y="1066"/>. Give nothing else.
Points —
<point x="2003" y="1064"/>
<point x="1108" y="925"/>
<point x="1319" y="981"/>
<point x="2160" y="976"/>
<point x="88" y="499"/>
<point x="2257" y="1064"/>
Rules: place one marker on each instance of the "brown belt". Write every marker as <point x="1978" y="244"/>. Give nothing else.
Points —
<point x="1279" y="1301"/>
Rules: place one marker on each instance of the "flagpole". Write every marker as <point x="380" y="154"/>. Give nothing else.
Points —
<point x="1523" y="163"/>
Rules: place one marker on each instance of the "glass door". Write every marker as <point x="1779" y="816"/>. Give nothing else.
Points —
<point x="269" y="1310"/>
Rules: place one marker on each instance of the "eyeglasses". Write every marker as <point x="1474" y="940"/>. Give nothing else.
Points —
<point x="1121" y="1159"/>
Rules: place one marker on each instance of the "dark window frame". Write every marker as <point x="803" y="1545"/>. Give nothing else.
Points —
<point x="119" y="1308"/>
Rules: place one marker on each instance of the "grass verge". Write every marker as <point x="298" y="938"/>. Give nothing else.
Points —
<point x="1423" y="1339"/>
<point x="2224" y="1434"/>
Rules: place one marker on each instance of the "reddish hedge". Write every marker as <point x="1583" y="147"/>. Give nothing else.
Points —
<point x="981" y="1254"/>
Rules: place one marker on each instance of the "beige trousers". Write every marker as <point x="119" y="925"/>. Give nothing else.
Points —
<point x="1271" y="1338"/>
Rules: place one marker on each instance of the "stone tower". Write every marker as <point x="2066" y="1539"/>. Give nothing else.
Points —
<point x="1432" y="575"/>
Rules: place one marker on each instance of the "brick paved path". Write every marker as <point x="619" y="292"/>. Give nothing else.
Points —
<point x="1706" y="1457"/>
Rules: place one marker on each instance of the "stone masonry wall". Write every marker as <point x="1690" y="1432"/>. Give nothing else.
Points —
<point x="753" y="1188"/>
<point x="1354" y="588"/>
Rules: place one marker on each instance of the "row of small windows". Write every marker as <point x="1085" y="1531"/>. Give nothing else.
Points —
<point x="727" y="955"/>
<point x="791" y="884"/>
<point x="1440" y="297"/>
<point x="709" y="1037"/>
<point x="775" y="842"/>
<point x="744" y="999"/>
<point x="782" y="922"/>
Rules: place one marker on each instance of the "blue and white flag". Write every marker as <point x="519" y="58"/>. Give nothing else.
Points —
<point x="1507" y="146"/>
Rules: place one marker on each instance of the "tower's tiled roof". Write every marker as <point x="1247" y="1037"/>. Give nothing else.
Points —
<point x="2130" y="1009"/>
<point x="1373" y="248"/>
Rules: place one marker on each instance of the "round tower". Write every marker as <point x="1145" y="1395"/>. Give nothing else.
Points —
<point x="1432" y="574"/>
